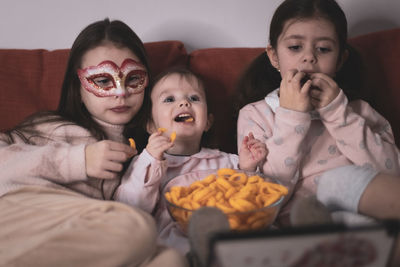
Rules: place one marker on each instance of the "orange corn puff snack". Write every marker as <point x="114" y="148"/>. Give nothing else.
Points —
<point x="132" y="143"/>
<point x="173" y="136"/>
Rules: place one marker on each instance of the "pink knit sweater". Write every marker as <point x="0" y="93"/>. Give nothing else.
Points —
<point x="308" y="144"/>
<point x="56" y="161"/>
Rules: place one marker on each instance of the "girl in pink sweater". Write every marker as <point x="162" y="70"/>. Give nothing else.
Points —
<point x="179" y="105"/>
<point x="60" y="170"/>
<point x="304" y="107"/>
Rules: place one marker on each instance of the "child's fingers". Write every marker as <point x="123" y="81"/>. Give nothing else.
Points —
<point x="245" y="141"/>
<point x="157" y="133"/>
<point x="259" y="148"/>
<point x="322" y="79"/>
<point x="157" y="136"/>
<point x="158" y="147"/>
<point x="290" y="74"/>
<point x="254" y="142"/>
<point x="251" y="136"/>
<point x="117" y="146"/>
<point x="315" y="93"/>
<point x="306" y="87"/>
<point x="112" y="146"/>
<point x="159" y="141"/>
<point x="113" y="166"/>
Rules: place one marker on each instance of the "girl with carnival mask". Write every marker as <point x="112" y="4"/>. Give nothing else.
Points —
<point x="60" y="169"/>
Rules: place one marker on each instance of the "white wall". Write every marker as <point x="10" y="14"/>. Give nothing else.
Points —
<point x="53" y="24"/>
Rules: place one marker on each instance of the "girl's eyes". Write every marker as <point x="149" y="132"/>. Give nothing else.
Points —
<point x="135" y="78"/>
<point x="169" y="99"/>
<point x="322" y="50"/>
<point x="103" y="82"/>
<point x="192" y="98"/>
<point x="294" y="47"/>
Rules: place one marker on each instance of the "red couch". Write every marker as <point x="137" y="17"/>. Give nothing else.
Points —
<point x="31" y="79"/>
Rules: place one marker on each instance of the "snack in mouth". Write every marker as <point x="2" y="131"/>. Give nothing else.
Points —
<point x="186" y="117"/>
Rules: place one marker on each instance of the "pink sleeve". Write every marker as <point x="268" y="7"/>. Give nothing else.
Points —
<point x="283" y="132"/>
<point x="140" y="183"/>
<point x="56" y="161"/>
<point x="361" y="134"/>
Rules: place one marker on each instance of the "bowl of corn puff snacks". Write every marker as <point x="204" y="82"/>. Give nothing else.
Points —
<point x="249" y="200"/>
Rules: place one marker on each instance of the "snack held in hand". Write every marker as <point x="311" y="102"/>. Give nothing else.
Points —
<point x="172" y="136"/>
<point x="132" y="143"/>
<point x="250" y="202"/>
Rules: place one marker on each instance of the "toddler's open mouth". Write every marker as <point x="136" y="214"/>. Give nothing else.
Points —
<point x="185" y="117"/>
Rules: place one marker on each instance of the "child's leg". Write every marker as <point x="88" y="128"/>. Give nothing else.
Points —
<point x="362" y="190"/>
<point x="381" y="197"/>
<point x="341" y="188"/>
<point x="49" y="227"/>
<point x="381" y="200"/>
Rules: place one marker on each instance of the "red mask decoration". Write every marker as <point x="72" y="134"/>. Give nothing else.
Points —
<point x="107" y="79"/>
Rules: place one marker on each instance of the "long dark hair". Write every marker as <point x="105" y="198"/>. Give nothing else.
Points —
<point x="260" y="77"/>
<point x="70" y="109"/>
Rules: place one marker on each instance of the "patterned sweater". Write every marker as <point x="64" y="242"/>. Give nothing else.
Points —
<point x="302" y="145"/>
<point x="56" y="161"/>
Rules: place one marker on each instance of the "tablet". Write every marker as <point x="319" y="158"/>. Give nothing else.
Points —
<point x="322" y="245"/>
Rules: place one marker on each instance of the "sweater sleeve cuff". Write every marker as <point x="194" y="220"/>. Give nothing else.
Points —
<point x="292" y="117"/>
<point x="76" y="169"/>
<point x="149" y="159"/>
<point x="156" y="169"/>
<point x="330" y="111"/>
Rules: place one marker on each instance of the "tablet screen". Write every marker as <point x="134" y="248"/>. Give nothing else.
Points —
<point x="333" y="245"/>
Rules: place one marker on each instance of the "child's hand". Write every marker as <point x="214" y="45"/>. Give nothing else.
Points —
<point x="252" y="153"/>
<point x="104" y="159"/>
<point x="158" y="144"/>
<point x="327" y="90"/>
<point x="292" y="94"/>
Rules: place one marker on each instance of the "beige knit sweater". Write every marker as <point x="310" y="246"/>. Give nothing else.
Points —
<point x="56" y="161"/>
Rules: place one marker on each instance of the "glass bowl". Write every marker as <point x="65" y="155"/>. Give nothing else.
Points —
<point x="253" y="203"/>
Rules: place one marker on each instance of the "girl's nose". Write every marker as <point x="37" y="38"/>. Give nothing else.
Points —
<point x="309" y="57"/>
<point x="121" y="96"/>
<point x="122" y="90"/>
<point x="123" y="93"/>
<point x="184" y="103"/>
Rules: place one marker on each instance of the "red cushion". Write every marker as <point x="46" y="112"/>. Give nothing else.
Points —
<point x="220" y="68"/>
<point x="381" y="54"/>
<point x="31" y="79"/>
